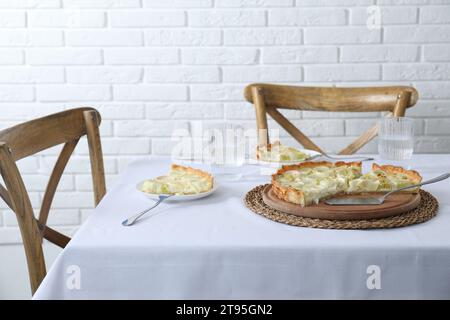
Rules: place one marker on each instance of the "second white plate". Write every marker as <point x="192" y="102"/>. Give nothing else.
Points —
<point x="181" y="197"/>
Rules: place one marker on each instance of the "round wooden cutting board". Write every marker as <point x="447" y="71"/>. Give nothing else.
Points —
<point x="394" y="204"/>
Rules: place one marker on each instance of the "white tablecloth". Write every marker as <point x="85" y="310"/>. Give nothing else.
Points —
<point x="216" y="248"/>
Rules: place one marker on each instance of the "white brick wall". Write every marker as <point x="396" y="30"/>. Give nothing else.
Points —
<point x="151" y="66"/>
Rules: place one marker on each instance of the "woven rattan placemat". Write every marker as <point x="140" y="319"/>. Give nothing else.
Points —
<point x="426" y="210"/>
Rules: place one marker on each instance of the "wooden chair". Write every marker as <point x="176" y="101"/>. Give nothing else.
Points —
<point x="26" y="139"/>
<point x="267" y="98"/>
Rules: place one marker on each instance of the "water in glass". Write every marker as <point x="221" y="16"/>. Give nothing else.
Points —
<point x="396" y="138"/>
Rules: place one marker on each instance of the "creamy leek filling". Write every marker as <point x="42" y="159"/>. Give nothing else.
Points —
<point x="177" y="182"/>
<point x="379" y="181"/>
<point x="281" y="153"/>
<point x="319" y="182"/>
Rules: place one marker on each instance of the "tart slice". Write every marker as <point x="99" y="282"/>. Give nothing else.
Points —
<point x="309" y="182"/>
<point x="384" y="179"/>
<point x="181" y="181"/>
<point x="276" y="152"/>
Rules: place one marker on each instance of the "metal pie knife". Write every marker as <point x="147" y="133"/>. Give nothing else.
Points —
<point x="380" y="199"/>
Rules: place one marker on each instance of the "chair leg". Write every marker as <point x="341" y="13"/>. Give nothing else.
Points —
<point x="261" y="117"/>
<point x="95" y="153"/>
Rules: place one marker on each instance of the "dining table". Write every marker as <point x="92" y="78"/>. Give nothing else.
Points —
<point x="216" y="248"/>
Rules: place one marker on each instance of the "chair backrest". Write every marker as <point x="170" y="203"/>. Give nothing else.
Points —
<point x="267" y="98"/>
<point x="28" y="138"/>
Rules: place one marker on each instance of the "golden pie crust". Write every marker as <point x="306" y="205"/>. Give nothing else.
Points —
<point x="192" y="171"/>
<point x="412" y="175"/>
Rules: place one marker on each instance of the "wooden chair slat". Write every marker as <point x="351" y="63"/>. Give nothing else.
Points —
<point x="5" y="196"/>
<point x="55" y="177"/>
<point x="368" y="135"/>
<point x="293" y="130"/>
<point x="55" y="237"/>
<point x="367" y="99"/>
<point x="32" y="137"/>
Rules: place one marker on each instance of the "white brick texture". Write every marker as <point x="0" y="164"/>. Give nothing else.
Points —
<point x="146" y="18"/>
<point x="153" y="66"/>
<point x="66" y="19"/>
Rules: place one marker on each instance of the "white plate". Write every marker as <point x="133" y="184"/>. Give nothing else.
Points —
<point x="181" y="197"/>
<point x="310" y="153"/>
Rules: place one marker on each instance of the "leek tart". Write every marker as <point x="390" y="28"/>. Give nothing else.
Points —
<point x="180" y="181"/>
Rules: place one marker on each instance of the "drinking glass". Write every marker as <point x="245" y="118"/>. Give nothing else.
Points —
<point x="226" y="154"/>
<point x="396" y="138"/>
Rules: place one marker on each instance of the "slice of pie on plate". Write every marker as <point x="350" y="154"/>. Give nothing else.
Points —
<point x="309" y="182"/>
<point x="276" y="152"/>
<point x="180" y="181"/>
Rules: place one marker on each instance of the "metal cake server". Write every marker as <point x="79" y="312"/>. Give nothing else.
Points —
<point x="380" y="199"/>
